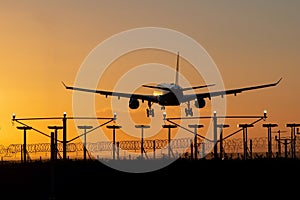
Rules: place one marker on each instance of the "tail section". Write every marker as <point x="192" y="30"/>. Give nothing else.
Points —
<point x="188" y="88"/>
<point x="177" y="69"/>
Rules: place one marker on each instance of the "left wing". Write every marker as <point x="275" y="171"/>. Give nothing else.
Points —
<point x="142" y="97"/>
<point x="190" y="97"/>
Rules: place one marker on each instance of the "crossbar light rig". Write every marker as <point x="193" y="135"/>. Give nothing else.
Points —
<point x="215" y="118"/>
<point x="64" y="126"/>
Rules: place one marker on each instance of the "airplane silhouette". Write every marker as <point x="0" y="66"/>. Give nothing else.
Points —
<point x="172" y="94"/>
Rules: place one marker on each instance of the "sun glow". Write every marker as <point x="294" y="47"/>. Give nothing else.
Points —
<point x="157" y="93"/>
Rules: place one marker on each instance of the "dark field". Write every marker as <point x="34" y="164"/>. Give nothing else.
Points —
<point x="94" y="180"/>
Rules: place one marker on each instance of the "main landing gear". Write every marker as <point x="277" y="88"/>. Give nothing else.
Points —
<point x="188" y="110"/>
<point x="150" y="111"/>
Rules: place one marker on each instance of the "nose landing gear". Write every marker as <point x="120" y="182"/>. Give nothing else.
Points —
<point x="188" y="110"/>
<point x="149" y="110"/>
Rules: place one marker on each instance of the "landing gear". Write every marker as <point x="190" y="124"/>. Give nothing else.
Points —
<point x="150" y="111"/>
<point x="188" y="110"/>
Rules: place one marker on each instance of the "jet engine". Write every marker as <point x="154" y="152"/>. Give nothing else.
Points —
<point x="133" y="103"/>
<point x="199" y="103"/>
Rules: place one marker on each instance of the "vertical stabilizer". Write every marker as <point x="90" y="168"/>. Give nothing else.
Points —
<point x="177" y="69"/>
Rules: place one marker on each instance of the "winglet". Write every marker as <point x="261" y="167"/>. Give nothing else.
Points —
<point x="64" y="85"/>
<point x="278" y="81"/>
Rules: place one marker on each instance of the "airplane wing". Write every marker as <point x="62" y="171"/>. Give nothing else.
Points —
<point x="190" y="97"/>
<point x="142" y="97"/>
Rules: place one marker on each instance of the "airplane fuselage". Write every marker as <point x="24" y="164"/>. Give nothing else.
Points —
<point x="172" y="96"/>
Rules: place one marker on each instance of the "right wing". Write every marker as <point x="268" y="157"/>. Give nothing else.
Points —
<point x="190" y="97"/>
<point x="142" y="97"/>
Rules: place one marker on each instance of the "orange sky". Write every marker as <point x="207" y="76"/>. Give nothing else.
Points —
<point x="44" y="43"/>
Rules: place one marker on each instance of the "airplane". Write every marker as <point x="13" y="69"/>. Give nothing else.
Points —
<point x="171" y="94"/>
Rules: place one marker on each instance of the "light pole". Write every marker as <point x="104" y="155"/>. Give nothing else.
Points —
<point x="278" y="144"/>
<point x="221" y="127"/>
<point x="114" y="127"/>
<point x="245" y="138"/>
<point x="278" y="139"/>
<point x="142" y="137"/>
<point x="169" y="127"/>
<point x="64" y="136"/>
<point x="195" y="126"/>
<point x="24" y="128"/>
<point x="269" y="126"/>
<point x="54" y="150"/>
<point x="293" y="138"/>
<point x="84" y="127"/>
<point x="215" y="121"/>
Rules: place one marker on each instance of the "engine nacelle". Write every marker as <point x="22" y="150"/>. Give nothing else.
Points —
<point x="133" y="103"/>
<point x="199" y="103"/>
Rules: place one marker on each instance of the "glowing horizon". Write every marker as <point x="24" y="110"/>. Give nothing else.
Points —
<point x="43" y="44"/>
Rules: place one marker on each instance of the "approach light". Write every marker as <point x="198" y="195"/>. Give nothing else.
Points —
<point x="115" y="115"/>
<point x="265" y="113"/>
<point x="164" y="115"/>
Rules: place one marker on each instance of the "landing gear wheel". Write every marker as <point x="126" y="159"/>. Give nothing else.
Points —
<point x="189" y="111"/>
<point x="150" y="112"/>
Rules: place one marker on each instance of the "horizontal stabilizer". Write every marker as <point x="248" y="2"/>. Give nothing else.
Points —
<point x="197" y="87"/>
<point x="156" y="87"/>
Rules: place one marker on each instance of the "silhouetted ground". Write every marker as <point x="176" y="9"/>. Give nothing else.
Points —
<point x="90" y="179"/>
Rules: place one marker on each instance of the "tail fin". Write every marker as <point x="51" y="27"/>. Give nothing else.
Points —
<point x="177" y="69"/>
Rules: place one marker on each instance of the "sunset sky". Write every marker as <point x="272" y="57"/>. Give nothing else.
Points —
<point x="45" y="42"/>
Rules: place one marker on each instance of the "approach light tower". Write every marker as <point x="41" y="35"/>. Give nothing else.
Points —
<point x="54" y="150"/>
<point x="84" y="127"/>
<point x="114" y="127"/>
<point x="293" y="137"/>
<point x="169" y="127"/>
<point x="269" y="126"/>
<point x="245" y="138"/>
<point x="142" y="137"/>
<point x="64" y="136"/>
<point x="195" y="127"/>
<point x="221" y="127"/>
<point x="24" y="128"/>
